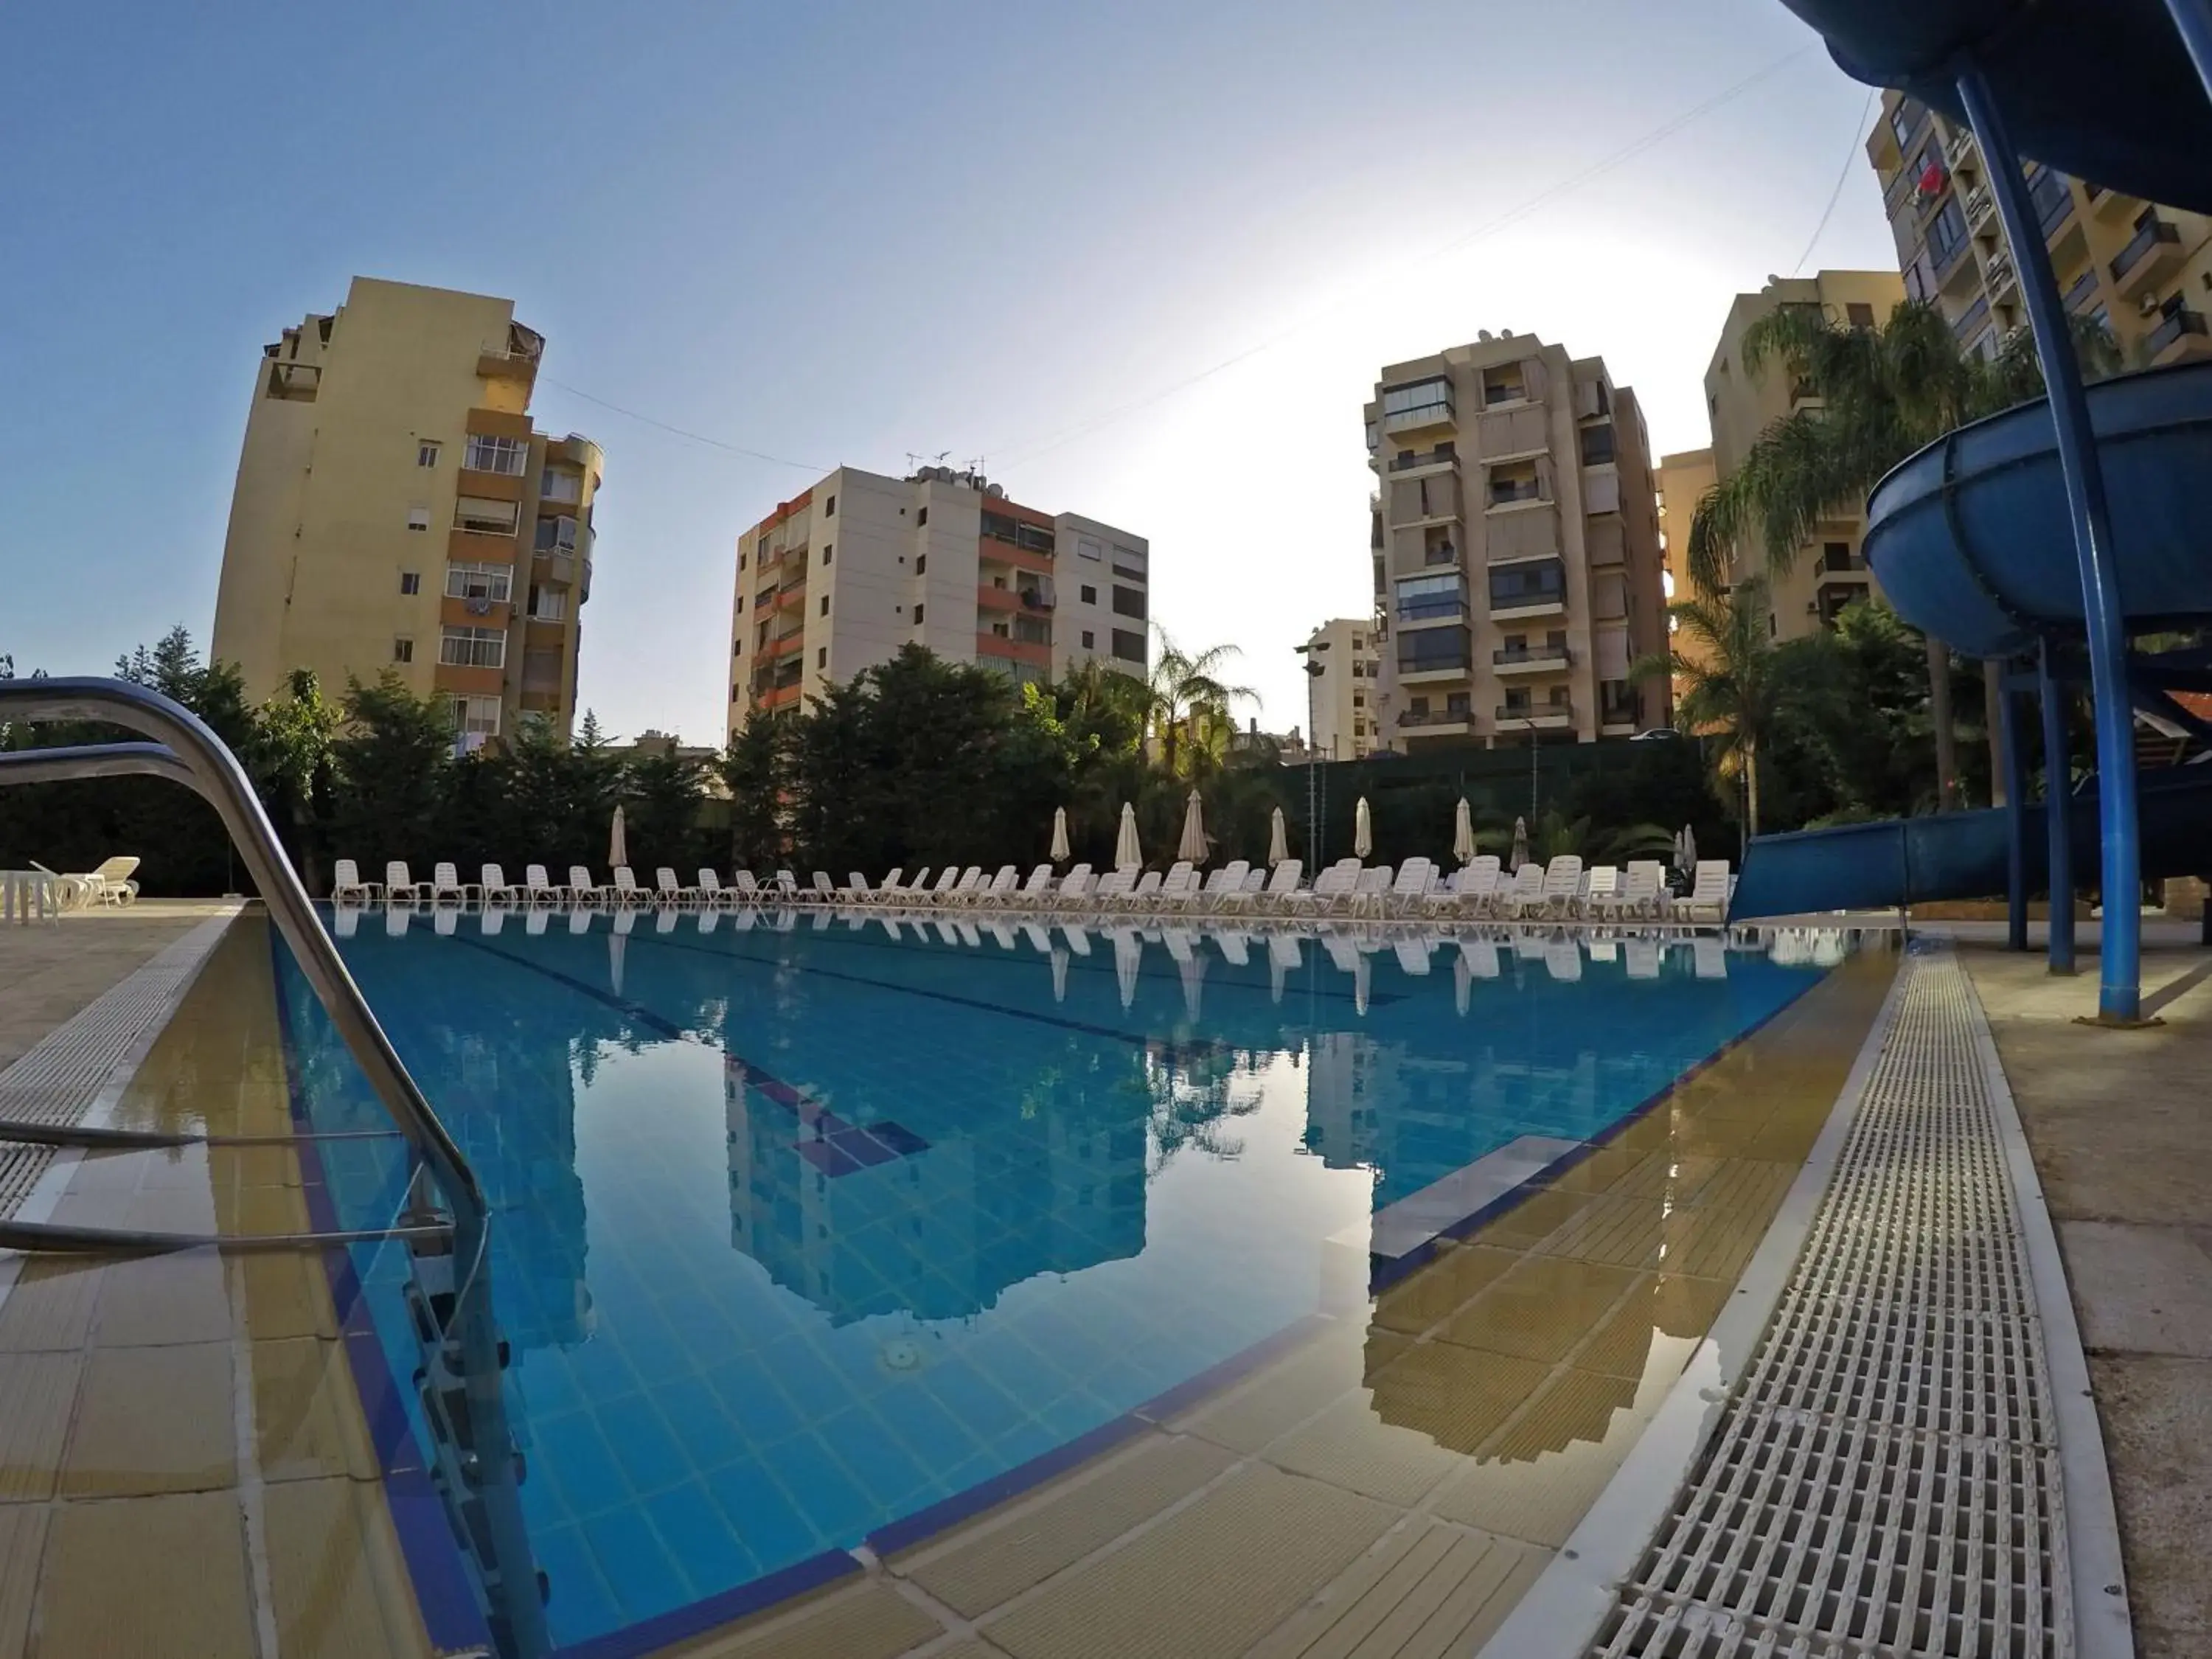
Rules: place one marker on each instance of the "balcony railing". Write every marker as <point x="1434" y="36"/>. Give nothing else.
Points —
<point x="1531" y="656"/>
<point x="1979" y="204"/>
<point x="2051" y="198"/>
<point x="2176" y="328"/>
<point x="1536" y="713"/>
<point x="1437" y="412"/>
<point x="2154" y="231"/>
<point x="1456" y="663"/>
<point x="1449" y="607"/>
<point x="1436" y="717"/>
<point x="1442" y="452"/>
<point x="1521" y="490"/>
<point x="2084" y="288"/>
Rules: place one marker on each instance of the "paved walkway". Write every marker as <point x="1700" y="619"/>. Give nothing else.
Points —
<point x="2117" y="1120"/>
<point x="47" y="973"/>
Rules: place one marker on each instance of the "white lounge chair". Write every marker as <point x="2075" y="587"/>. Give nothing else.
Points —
<point x="582" y="889"/>
<point x="1034" y="892"/>
<point x="346" y="885"/>
<point x="1180" y="888"/>
<point x="1273" y="886"/>
<point x="1525" y="893"/>
<point x="1600" y="887"/>
<point x="399" y="887"/>
<point x="1371" y="891"/>
<point x="1229" y="879"/>
<point x="960" y="887"/>
<point x="1072" y="888"/>
<point x="627" y="892"/>
<point x="1112" y="889"/>
<point x="1637" y="895"/>
<point x="446" y="883"/>
<point x="538" y="887"/>
<point x="858" y="891"/>
<point x="995" y="890"/>
<point x="667" y="889"/>
<point x="821" y="889"/>
<point x="109" y="882"/>
<point x="1332" y="890"/>
<point x="1707" y="899"/>
<point x="1410" y="888"/>
<point x="1563" y="884"/>
<point x="496" y="889"/>
<point x="1144" y="892"/>
<point x="744" y="889"/>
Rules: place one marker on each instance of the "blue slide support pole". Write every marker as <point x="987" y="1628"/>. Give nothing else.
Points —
<point x="2119" y="991"/>
<point x="2015" y="782"/>
<point x="2057" y="811"/>
<point x="2193" y="19"/>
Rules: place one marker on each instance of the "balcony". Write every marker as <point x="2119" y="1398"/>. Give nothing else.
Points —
<point x="514" y="358"/>
<point x="1526" y="607"/>
<point x="1442" y="455"/>
<point x="1431" y="667"/>
<point x="1418" y="407"/>
<point x="2083" y="295"/>
<point x="1531" y="659"/>
<point x="292" y="382"/>
<point x="1535" y="717"/>
<point x="2153" y="254"/>
<point x="2178" y="338"/>
<point x="1506" y="493"/>
<point x="794" y="641"/>
<point x="791" y="599"/>
<point x="994" y="550"/>
<point x="1981" y="206"/>
<point x="1958" y="145"/>
<point x="1006" y="649"/>
<point x="782" y="696"/>
<point x="1436" y="722"/>
<point x="2109" y="204"/>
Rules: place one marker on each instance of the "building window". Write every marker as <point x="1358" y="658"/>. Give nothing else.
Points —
<point x="921" y="518"/>
<point x="476" y="717"/>
<point x="473" y="648"/>
<point x="418" y="518"/>
<point x="426" y="453"/>
<point x="485" y="517"/>
<point x="1128" y="645"/>
<point x="1457" y="703"/>
<point x="1946" y="234"/>
<point x="825" y="552"/>
<point x="736" y="647"/>
<point x="547" y="603"/>
<point x="1090" y="595"/>
<point x="1360" y="700"/>
<point x="556" y="535"/>
<point x="1859" y="314"/>
<point x="1904" y="120"/>
<point x="1541" y="582"/>
<point x="1597" y="444"/>
<point x="402" y="651"/>
<point x="821" y="656"/>
<point x="479" y="581"/>
<point x="1087" y="549"/>
<point x="411" y="581"/>
<point x="1128" y="602"/>
<point x="741" y="558"/>
<point x="559" y="484"/>
<point x="921" y="564"/>
<point x="741" y="605"/>
<point x="829" y="507"/>
<point x="505" y="456"/>
<point x="735" y="693"/>
<point x="1089" y="639"/>
<point x="825" y="604"/>
<point x="917" y="616"/>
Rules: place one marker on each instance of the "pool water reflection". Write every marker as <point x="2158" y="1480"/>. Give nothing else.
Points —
<point x="804" y="1227"/>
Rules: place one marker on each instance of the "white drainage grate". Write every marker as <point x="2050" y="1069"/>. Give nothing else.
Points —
<point x="59" y="1077"/>
<point x="1884" y="1479"/>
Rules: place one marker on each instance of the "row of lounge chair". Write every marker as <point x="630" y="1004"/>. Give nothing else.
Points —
<point x="1562" y="890"/>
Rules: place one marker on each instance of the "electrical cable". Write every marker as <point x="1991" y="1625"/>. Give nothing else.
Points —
<point x="681" y="432"/>
<point x="1858" y="138"/>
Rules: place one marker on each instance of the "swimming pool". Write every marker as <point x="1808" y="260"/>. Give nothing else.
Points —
<point x="807" y="1232"/>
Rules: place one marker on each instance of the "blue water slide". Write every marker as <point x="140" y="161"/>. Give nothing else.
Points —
<point x="1963" y="855"/>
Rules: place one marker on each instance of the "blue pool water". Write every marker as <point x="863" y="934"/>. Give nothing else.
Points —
<point x="801" y="1232"/>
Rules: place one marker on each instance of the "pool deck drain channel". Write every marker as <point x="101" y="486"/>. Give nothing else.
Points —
<point x="1886" y="1476"/>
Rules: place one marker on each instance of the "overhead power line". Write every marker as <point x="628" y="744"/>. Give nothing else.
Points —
<point x="682" y="432"/>
<point x="1850" y="155"/>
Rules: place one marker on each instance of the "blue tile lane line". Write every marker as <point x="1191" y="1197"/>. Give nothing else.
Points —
<point x="452" y="1617"/>
<point x="833" y="1146"/>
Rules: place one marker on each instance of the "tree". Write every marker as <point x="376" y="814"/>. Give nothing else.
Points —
<point x="289" y="755"/>
<point x="1729" y="680"/>
<point x="392" y="769"/>
<point x="1882" y="393"/>
<point x="664" y="790"/>
<point x="1184" y="683"/>
<point x="755" y="769"/>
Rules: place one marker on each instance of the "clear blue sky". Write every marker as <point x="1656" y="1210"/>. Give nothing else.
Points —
<point x="839" y="232"/>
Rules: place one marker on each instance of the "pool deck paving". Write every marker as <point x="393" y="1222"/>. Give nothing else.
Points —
<point x="48" y="971"/>
<point x="2116" y="1121"/>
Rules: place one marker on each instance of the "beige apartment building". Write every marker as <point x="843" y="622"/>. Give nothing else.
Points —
<point x="838" y="578"/>
<point x="1516" y="548"/>
<point x="1680" y="482"/>
<point x="2143" y="270"/>
<point x="1829" y="570"/>
<point x="1343" y="700"/>
<point x="395" y="508"/>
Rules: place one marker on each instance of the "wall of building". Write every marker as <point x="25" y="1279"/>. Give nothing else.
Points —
<point x="352" y="466"/>
<point x="1344" y="701"/>
<point x="1828" y="570"/>
<point x="1509" y="465"/>
<point x="1681" y="482"/>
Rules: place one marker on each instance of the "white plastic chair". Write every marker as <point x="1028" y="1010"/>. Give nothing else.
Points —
<point x="538" y="887"/>
<point x="346" y="885"/>
<point x="1524" y="893"/>
<point x="1707" y="899"/>
<point x="627" y="892"/>
<point x="495" y="888"/>
<point x="1563" y="884"/>
<point x="582" y="889"/>
<point x="400" y="887"/>
<point x="445" y="880"/>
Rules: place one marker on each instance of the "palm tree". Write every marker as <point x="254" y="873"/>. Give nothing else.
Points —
<point x="1184" y="684"/>
<point x="1727" y="677"/>
<point x="1882" y="394"/>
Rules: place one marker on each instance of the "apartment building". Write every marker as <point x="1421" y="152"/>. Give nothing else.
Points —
<point x="838" y="578"/>
<point x="1829" y="570"/>
<point x="1516" y="548"/>
<point x="395" y="508"/>
<point x="1344" y="698"/>
<point x="1680" y="482"/>
<point x="2142" y="269"/>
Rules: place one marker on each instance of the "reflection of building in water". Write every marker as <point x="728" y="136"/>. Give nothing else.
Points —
<point x="1347" y="1072"/>
<point x="1055" y="1185"/>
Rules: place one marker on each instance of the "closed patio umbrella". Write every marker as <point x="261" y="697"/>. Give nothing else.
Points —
<point x="617" y="841"/>
<point x="1363" y="829"/>
<point x="1278" y="844"/>
<point x="1464" y="833"/>
<point x="1687" y="863"/>
<point x="1193" y="844"/>
<point x="1127" y="855"/>
<point x="1059" y="833"/>
<point x="1520" y="856"/>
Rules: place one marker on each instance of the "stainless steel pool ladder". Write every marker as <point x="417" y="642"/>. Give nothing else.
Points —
<point x="184" y="751"/>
